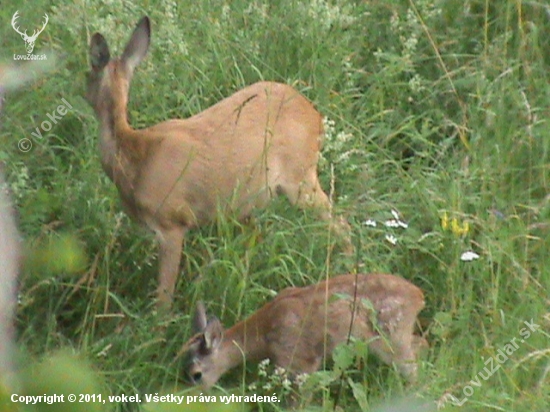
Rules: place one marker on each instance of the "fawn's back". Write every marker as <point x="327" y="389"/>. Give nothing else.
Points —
<point x="302" y="326"/>
<point x="313" y="320"/>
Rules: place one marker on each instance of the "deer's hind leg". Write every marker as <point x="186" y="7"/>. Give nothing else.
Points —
<point x="308" y="194"/>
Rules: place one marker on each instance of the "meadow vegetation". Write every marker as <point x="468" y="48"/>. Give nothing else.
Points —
<point x="435" y="110"/>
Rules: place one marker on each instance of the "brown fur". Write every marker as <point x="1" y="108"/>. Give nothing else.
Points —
<point x="302" y="326"/>
<point x="235" y="156"/>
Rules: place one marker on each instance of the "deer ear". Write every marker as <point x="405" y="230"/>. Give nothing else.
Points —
<point x="213" y="334"/>
<point x="99" y="52"/>
<point x="199" y="320"/>
<point x="137" y="46"/>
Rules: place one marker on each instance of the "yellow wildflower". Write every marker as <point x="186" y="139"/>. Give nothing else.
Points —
<point x="456" y="227"/>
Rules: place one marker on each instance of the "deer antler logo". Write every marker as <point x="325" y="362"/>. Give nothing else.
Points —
<point x="29" y="40"/>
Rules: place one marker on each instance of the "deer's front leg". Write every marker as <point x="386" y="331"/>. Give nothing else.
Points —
<point x="171" y="242"/>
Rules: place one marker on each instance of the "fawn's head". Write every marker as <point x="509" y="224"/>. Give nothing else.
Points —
<point x="109" y="78"/>
<point x="203" y="361"/>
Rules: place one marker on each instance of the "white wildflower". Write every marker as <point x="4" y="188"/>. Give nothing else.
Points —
<point x="329" y="126"/>
<point x="279" y="371"/>
<point x="410" y="44"/>
<point x="391" y="223"/>
<point x="300" y="379"/>
<point x="104" y="351"/>
<point x="286" y="384"/>
<point x="415" y="83"/>
<point x="262" y="366"/>
<point x="392" y="239"/>
<point x="469" y="256"/>
<point x="395" y="22"/>
<point x="395" y="223"/>
<point x="369" y="222"/>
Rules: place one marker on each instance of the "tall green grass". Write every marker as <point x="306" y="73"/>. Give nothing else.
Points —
<point x="438" y="109"/>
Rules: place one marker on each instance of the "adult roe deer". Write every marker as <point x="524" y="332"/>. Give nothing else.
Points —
<point x="297" y="329"/>
<point x="262" y="141"/>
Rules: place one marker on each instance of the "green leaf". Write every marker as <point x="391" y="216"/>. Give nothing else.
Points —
<point x="359" y="395"/>
<point x="343" y="356"/>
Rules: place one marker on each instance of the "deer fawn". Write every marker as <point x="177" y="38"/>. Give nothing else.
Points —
<point x="235" y="156"/>
<point x="302" y="325"/>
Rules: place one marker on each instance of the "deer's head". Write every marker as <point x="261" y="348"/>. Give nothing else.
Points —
<point x="204" y="361"/>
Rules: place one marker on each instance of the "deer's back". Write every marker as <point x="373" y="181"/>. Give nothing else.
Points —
<point x="302" y="320"/>
<point x="230" y="152"/>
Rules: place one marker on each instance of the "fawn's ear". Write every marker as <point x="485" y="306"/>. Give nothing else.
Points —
<point x="199" y="320"/>
<point x="211" y="330"/>
<point x="137" y="46"/>
<point x="213" y="334"/>
<point x="99" y="52"/>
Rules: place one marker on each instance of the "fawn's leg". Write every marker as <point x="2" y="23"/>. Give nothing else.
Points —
<point x="400" y="348"/>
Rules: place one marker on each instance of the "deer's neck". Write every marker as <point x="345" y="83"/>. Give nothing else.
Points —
<point x="110" y="144"/>
<point x="119" y="149"/>
<point x="245" y="340"/>
<point x="118" y="110"/>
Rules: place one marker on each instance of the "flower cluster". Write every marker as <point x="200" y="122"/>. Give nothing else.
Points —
<point x="395" y="223"/>
<point x="410" y="30"/>
<point x="330" y="13"/>
<point x="459" y="229"/>
<point x="338" y="148"/>
<point x="454" y="225"/>
<point x="272" y="378"/>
